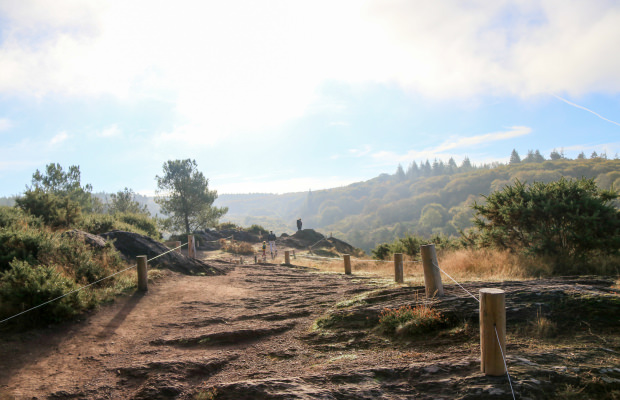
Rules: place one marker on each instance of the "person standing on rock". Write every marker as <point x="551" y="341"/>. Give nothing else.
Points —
<point x="272" y="243"/>
<point x="299" y="224"/>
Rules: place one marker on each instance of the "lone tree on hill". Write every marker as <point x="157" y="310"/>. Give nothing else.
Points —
<point x="565" y="219"/>
<point x="183" y="194"/>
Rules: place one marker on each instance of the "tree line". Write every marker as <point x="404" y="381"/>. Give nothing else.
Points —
<point x="59" y="198"/>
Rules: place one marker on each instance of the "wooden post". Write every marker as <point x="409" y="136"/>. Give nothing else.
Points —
<point x="432" y="275"/>
<point x="347" y="264"/>
<point x="287" y="257"/>
<point x="191" y="250"/>
<point x="398" y="268"/>
<point x="492" y="317"/>
<point x="294" y="256"/>
<point x="255" y="259"/>
<point x="177" y="245"/>
<point x="142" y="274"/>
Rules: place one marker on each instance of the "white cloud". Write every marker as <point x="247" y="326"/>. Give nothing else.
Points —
<point x="446" y="150"/>
<point x="360" y="152"/>
<point x="59" y="138"/>
<point x="5" y="124"/>
<point x="468" y="142"/>
<point x="111" y="131"/>
<point x="235" y="65"/>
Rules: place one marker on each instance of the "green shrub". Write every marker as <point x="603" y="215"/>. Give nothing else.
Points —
<point x="409" y="321"/>
<point x="99" y="223"/>
<point x="226" y="225"/>
<point x="55" y="211"/>
<point x="137" y="223"/>
<point x="23" y="244"/>
<point x="24" y="286"/>
<point x="568" y="220"/>
<point x="257" y="229"/>
<point x="142" y="222"/>
<point x="16" y="217"/>
<point x="382" y="251"/>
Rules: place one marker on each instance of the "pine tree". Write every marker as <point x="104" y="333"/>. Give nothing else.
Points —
<point x="400" y="173"/>
<point x="514" y="157"/>
<point x="413" y="171"/>
<point x="555" y="155"/>
<point x="466" y="165"/>
<point x="452" y="167"/>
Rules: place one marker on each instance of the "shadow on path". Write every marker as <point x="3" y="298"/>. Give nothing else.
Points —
<point x="121" y="315"/>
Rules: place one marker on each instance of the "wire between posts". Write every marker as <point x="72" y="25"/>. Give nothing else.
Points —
<point x="85" y="286"/>
<point x="468" y="292"/>
<point x="504" y="358"/>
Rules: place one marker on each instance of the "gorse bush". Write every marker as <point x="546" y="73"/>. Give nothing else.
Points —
<point x="136" y="223"/>
<point x="408" y="320"/>
<point x="24" y="286"/>
<point x="257" y="230"/>
<point x="410" y="245"/>
<point x="38" y="264"/>
<point x="55" y="211"/>
<point x="16" y="218"/>
<point x="144" y="223"/>
<point x="226" y="225"/>
<point x="567" y="220"/>
<point x="23" y="244"/>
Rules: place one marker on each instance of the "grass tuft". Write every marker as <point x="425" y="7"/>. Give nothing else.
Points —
<point x="407" y="320"/>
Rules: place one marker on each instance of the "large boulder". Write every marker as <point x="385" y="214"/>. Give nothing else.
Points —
<point x="95" y="241"/>
<point x="131" y="245"/>
<point x="210" y="240"/>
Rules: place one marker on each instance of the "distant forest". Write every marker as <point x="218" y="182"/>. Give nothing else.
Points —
<point x="428" y="198"/>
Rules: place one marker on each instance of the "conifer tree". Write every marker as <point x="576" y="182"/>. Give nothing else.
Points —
<point x="514" y="157"/>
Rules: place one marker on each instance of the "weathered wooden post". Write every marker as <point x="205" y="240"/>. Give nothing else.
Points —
<point x="492" y="318"/>
<point x="191" y="248"/>
<point x="255" y="259"/>
<point x="294" y="256"/>
<point x="398" y="268"/>
<point x="432" y="275"/>
<point x="177" y="246"/>
<point x="347" y="264"/>
<point x="287" y="257"/>
<point x="142" y="274"/>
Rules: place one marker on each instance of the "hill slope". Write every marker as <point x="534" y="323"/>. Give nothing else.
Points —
<point x="388" y="206"/>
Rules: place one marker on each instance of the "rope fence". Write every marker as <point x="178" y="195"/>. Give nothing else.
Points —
<point x="85" y="286"/>
<point x="434" y="287"/>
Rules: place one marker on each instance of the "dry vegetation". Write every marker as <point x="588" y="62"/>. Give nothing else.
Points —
<point x="464" y="265"/>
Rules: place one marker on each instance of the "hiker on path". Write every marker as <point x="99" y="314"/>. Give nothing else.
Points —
<point x="272" y="243"/>
<point x="264" y="249"/>
<point x="299" y="224"/>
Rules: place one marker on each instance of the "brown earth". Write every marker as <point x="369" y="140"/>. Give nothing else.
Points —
<point x="270" y="331"/>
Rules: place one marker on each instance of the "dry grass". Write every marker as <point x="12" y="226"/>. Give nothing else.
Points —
<point x="462" y="265"/>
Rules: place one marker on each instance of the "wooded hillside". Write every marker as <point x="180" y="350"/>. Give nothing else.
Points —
<point x="428" y="199"/>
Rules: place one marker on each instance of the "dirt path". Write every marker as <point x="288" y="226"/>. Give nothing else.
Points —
<point x="186" y="333"/>
<point x="249" y="335"/>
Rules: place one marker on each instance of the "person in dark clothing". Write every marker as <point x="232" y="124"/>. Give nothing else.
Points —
<point x="272" y="243"/>
<point x="299" y="224"/>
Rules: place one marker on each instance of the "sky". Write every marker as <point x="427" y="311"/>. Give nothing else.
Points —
<point x="288" y="96"/>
